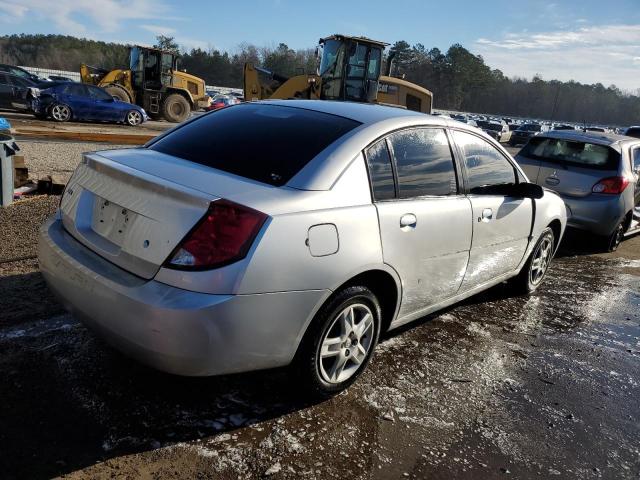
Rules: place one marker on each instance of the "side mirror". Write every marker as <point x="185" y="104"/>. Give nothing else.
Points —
<point x="528" y="190"/>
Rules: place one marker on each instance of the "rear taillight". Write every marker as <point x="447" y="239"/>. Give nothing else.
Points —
<point x="223" y="236"/>
<point x="612" y="185"/>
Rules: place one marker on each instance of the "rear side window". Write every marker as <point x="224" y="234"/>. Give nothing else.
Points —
<point x="565" y="152"/>
<point x="485" y="165"/>
<point x="424" y="163"/>
<point x="267" y="143"/>
<point x="380" y="171"/>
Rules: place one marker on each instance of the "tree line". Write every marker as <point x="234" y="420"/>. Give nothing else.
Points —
<point x="458" y="79"/>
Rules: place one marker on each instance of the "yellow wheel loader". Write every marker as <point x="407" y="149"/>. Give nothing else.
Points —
<point x="349" y="70"/>
<point x="153" y="82"/>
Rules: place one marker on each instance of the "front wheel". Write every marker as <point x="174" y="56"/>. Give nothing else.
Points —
<point x="60" y="112"/>
<point x="133" y="118"/>
<point x="176" y="108"/>
<point x="531" y="275"/>
<point x="340" y="341"/>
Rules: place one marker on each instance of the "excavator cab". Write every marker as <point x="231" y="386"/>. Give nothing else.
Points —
<point x="151" y="68"/>
<point x="350" y="68"/>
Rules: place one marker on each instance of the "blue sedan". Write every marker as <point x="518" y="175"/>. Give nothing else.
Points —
<point x="65" y="101"/>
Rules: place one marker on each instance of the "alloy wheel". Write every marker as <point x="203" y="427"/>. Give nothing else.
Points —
<point x="134" y="118"/>
<point x="346" y="344"/>
<point x="541" y="259"/>
<point x="61" y="113"/>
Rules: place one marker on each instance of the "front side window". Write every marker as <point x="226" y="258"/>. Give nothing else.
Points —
<point x="380" y="171"/>
<point x="485" y="165"/>
<point x="424" y="162"/>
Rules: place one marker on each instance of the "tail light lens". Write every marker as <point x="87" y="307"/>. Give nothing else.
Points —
<point x="223" y="236"/>
<point x="612" y="185"/>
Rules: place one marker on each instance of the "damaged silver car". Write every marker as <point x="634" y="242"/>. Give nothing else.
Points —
<point x="291" y="232"/>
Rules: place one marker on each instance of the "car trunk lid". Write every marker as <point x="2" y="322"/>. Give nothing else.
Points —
<point x="133" y="207"/>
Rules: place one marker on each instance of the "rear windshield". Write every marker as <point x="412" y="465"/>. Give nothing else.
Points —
<point x="567" y="152"/>
<point x="267" y="143"/>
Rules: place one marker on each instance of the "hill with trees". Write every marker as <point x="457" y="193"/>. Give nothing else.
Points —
<point x="458" y="79"/>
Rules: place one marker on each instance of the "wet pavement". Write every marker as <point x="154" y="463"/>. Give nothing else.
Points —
<point x="544" y="386"/>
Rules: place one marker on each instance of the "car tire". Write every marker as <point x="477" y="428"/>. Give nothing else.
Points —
<point x="116" y="91"/>
<point x="60" y="112"/>
<point x="535" y="269"/>
<point x="612" y="242"/>
<point x="133" y="118"/>
<point x="176" y="108"/>
<point x="340" y="342"/>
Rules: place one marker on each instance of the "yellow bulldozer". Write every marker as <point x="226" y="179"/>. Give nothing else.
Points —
<point x="153" y="82"/>
<point x="349" y="70"/>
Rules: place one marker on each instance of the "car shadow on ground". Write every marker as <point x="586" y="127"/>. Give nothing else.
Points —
<point x="70" y="401"/>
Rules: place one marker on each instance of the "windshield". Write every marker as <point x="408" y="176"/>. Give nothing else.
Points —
<point x="530" y="128"/>
<point x="330" y="52"/>
<point x="494" y="126"/>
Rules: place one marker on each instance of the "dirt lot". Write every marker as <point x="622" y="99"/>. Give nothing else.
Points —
<point x="544" y="386"/>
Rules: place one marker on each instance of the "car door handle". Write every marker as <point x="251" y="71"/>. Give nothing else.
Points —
<point x="487" y="214"/>
<point x="408" y="220"/>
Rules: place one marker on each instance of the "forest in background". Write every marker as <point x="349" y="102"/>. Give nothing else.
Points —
<point x="458" y="79"/>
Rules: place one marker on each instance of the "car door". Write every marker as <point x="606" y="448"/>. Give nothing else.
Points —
<point x="20" y="93"/>
<point x="425" y="222"/>
<point x="501" y="224"/>
<point x="635" y="165"/>
<point x="77" y="97"/>
<point x="6" y="91"/>
<point x="102" y="105"/>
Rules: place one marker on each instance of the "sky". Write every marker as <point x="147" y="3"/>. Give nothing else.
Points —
<point x="585" y="40"/>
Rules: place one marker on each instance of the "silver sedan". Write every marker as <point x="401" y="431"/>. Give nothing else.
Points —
<point x="291" y="232"/>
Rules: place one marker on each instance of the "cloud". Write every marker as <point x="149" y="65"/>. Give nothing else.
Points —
<point x="592" y="54"/>
<point x="71" y="16"/>
<point x="159" y="29"/>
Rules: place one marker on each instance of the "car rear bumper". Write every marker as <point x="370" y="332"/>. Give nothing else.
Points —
<point x="174" y="330"/>
<point x="599" y="214"/>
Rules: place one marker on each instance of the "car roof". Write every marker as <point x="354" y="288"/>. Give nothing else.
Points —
<point x="365" y="113"/>
<point x="598" y="138"/>
<point x="376" y="120"/>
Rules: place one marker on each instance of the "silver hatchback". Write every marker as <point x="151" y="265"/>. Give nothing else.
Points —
<point x="291" y="232"/>
<point x="596" y="174"/>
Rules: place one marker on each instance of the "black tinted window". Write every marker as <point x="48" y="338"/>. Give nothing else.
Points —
<point x="267" y="143"/>
<point x="579" y="154"/>
<point x="380" y="171"/>
<point x="75" y="89"/>
<point x="99" y="94"/>
<point x="424" y="162"/>
<point x="485" y="165"/>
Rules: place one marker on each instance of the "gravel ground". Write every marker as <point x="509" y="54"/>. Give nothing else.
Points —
<point x="45" y="157"/>
<point x="20" y="279"/>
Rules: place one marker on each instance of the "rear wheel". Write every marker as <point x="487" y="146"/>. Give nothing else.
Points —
<point x="116" y="91"/>
<point x="340" y="341"/>
<point x="60" y="112"/>
<point x="531" y="275"/>
<point x="176" y="108"/>
<point x="133" y="118"/>
<point x="612" y="242"/>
